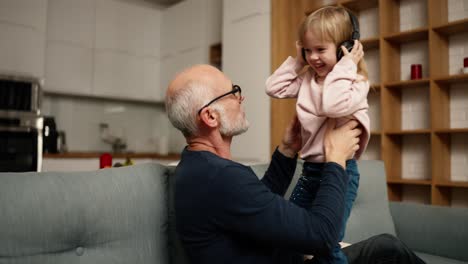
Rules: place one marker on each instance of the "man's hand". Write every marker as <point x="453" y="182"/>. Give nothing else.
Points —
<point x="292" y="141"/>
<point x="341" y="142"/>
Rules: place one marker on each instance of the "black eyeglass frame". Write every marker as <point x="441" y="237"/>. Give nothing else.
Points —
<point x="235" y="88"/>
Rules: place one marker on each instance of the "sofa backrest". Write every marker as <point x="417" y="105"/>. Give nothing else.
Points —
<point x="370" y="214"/>
<point x="105" y="216"/>
<point x="436" y="230"/>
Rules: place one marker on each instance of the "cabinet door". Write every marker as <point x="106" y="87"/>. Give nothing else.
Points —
<point x="117" y="75"/>
<point x="235" y="10"/>
<point x="70" y="40"/>
<point x="22" y="25"/>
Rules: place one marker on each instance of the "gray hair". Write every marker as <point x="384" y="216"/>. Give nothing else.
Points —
<point x="182" y="106"/>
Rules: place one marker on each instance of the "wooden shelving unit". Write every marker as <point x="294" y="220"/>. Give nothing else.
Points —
<point x="432" y="143"/>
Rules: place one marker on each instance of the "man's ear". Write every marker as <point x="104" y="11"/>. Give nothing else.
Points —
<point x="209" y="117"/>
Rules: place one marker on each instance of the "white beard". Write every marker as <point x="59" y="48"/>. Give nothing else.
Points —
<point x="234" y="127"/>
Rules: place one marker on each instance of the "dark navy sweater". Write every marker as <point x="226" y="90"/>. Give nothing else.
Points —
<point x="225" y="214"/>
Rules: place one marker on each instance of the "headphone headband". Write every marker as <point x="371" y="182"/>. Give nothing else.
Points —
<point x="355" y="23"/>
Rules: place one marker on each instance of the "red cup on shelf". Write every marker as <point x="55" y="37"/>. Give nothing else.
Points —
<point x="416" y="71"/>
<point x="105" y="161"/>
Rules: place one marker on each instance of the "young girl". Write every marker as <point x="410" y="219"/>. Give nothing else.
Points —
<point x="333" y="86"/>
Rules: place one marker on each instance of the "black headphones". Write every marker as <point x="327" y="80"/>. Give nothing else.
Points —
<point x="348" y="44"/>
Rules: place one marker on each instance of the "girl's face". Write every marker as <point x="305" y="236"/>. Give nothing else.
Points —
<point x="320" y="55"/>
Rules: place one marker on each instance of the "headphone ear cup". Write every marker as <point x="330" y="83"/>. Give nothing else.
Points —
<point x="348" y="45"/>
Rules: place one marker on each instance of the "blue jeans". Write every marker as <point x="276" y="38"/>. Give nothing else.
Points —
<point x="306" y="189"/>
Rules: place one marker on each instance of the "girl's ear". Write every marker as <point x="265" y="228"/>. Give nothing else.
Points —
<point x="209" y="117"/>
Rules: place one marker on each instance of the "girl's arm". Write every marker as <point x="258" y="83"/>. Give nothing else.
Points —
<point x="285" y="81"/>
<point x="344" y="91"/>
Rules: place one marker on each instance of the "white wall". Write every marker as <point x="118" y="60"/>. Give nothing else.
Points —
<point x="246" y="60"/>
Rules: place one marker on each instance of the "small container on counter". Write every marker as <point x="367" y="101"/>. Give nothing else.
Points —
<point x="105" y="161"/>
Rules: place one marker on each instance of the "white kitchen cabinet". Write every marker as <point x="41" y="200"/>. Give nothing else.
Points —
<point x="152" y="90"/>
<point x="69" y="69"/>
<point x="25" y="13"/>
<point x="69" y="48"/>
<point x="240" y="9"/>
<point x="246" y="60"/>
<point x="22" y="26"/>
<point x="127" y="27"/>
<point x="71" y="22"/>
<point x="117" y="75"/>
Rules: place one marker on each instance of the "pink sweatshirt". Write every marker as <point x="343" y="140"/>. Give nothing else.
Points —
<point x="343" y="96"/>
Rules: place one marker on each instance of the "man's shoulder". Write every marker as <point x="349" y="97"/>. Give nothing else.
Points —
<point x="207" y="163"/>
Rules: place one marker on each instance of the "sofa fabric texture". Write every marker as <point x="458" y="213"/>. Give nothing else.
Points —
<point x="126" y="215"/>
<point x="107" y="216"/>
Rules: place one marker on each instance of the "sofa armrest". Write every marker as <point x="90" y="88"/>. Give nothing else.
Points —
<point x="436" y="230"/>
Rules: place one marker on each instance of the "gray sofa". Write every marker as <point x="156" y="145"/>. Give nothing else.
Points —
<point x="125" y="215"/>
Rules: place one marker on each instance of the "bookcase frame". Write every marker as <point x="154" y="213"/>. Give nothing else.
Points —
<point x="286" y="16"/>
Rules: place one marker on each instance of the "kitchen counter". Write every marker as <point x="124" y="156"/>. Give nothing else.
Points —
<point x="131" y="155"/>
<point x="88" y="161"/>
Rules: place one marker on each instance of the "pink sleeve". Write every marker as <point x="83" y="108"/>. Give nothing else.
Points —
<point x="344" y="91"/>
<point x="285" y="81"/>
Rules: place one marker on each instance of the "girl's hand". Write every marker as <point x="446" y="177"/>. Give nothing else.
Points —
<point x="356" y="53"/>
<point x="299" y="53"/>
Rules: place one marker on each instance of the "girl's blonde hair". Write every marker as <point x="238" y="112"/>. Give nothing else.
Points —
<point x="333" y="24"/>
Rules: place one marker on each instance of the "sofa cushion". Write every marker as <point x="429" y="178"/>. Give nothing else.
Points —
<point x="427" y="228"/>
<point x="433" y="259"/>
<point x="106" y="216"/>
<point x="370" y="215"/>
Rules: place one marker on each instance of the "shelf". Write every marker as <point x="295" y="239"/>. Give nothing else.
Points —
<point x="455" y="27"/>
<point x="370" y="43"/>
<point x="460" y="184"/>
<point x="408" y="132"/>
<point x="374" y="87"/>
<point x="408" y="36"/>
<point x="408" y="181"/>
<point x="357" y="5"/>
<point x="375" y="133"/>
<point x="458" y="78"/>
<point x="451" y="131"/>
<point x="408" y="83"/>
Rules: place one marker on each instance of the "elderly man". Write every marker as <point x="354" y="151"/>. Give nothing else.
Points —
<point x="226" y="215"/>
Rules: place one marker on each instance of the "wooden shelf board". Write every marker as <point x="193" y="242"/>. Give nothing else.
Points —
<point x="370" y="43"/>
<point x="374" y="87"/>
<point x="408" y="83"/>
<point x="408" y="132"/>
<point x="462" y="184"/>
<point x="357" y="5"/>
<point x="408" y="36"/>
<point x="375" y="133"/>
<point x="454" y="27"/>
<point x="409" y="181"/>
<point x="450" y="79"/>
<point x="451" y="130"/>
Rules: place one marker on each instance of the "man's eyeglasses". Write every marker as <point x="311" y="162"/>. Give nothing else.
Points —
<point x="235" y="89"/>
